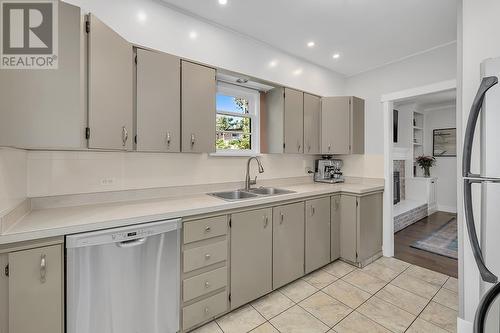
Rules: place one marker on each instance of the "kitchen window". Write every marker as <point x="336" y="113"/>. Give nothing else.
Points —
<point x="237" y="120"/>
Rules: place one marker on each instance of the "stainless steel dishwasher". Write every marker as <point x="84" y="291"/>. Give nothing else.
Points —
<point x="124" y="280"/>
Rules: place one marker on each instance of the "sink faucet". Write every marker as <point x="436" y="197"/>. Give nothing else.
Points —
<point x="249" y="182"/>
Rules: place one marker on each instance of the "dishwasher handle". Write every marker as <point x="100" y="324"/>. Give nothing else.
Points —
<point x="132" y="243"/>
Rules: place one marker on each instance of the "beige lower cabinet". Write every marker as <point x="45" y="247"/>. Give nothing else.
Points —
<point x="251" y="255"/>
<point x="360" y="227"/>
<point x="288" y="243"/>
<point x="32" y="288"/>
<point x="317" y="232"/>
<point x="335" y="228"/>
<point x="205" y="273"/>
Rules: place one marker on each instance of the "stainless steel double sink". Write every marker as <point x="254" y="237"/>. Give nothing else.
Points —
<point x="249" y="194"/>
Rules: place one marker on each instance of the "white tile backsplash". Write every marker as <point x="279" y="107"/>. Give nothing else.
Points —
<point x="12" y="178"/>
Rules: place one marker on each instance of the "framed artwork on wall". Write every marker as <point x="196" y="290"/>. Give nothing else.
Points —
<point x="444" y="142"/>
<point x="395" y="125"/>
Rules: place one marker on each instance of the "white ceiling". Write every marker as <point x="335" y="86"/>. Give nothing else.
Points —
<point x="367" y="33"/>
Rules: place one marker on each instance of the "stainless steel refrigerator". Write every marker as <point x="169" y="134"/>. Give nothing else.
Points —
<point x="484" y="124"/>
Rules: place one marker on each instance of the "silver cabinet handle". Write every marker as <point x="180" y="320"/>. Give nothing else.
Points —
<point x="193" y="139"/>
<point x="43" y="268"/>
<point x="313" y="211"/>
<point x="282" y="217"/>
<point x="308" y="147"/>
<point x="207" y="256"/>
<point x="329" y="147"/>
<point x="169" y="138"/>
<point x="266" y="221"/>
<point x="124" y="135"/>
<point x="207" y="284"/>
<point x="208" y="229"/>
<point x="298" y="146"/>
<point x="207" y="311"/>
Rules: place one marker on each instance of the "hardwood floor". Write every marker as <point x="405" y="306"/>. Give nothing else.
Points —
<point x="404" y="238"/>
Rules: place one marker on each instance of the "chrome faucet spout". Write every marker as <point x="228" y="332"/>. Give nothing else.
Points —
<point x="249" y="182"/>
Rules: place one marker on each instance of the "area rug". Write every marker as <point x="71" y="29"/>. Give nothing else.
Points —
<point x="443" y="241"/>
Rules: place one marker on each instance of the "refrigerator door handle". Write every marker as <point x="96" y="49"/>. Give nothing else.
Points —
<point x="486" y="84"/>
<point x="486" y="274"/>
<point x="483" y="309"/>
<point x="476" y="107"/>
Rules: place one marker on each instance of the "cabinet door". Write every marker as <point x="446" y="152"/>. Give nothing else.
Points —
<point x="348" y="227"/>
<point x="158" y="102"/>
<point x="198" y="108"/>
<point x="312" y="124"/>
<point x="251" y="255"/>
<point x="358" y="126"/>
<point x="288" y="243"/>
<point x="110" y="88"/>
<point x="370" y="226"/>
<point x="335" y="125"/>
<point x="46" y="108"/>
<point x="335" y="227"/>
<point x="317" y="234"/>
<point x="294" y="121"/>
<point x="36" y="290"/>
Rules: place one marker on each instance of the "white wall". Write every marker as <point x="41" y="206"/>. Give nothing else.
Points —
<point x="12" y="178"/>
<point x="446" y="167"/>
<point x="433" y="66"/>
<point x="479" y="29"/>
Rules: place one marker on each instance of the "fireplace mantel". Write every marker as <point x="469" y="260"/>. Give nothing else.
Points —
<point x="399" y="154"/>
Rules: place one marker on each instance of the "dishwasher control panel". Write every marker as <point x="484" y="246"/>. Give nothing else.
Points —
<point x="127" y="235"/>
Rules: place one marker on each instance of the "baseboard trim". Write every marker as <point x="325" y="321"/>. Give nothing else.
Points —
<point x="464" y="326"/>
<point x="448" y="209"/>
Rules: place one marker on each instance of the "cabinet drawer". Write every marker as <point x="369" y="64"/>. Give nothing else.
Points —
<point x="204" y="310"/>
<point x="206" y="228"/>
<point x="204" y="283"/>
<point x="206" y="255"/>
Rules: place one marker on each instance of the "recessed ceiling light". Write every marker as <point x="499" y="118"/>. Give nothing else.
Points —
<point x="336" y="55"/>
<point x="141" y="16"/>
<point x="298" y="71"/>
<point x="223" y="2"/>
<point x="273" y="63"/>
<point x="242" y="80"/>
<point x="310" y="44"/>
<point x="193" y="35"/>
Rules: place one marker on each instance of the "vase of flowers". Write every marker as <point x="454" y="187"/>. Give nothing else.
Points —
<point x="426" y="162"/>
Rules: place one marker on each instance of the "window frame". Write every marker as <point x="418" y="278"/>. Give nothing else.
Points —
<point x="253" y="97"/>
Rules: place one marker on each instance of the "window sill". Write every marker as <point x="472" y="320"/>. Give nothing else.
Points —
<point x="235" y="154"/>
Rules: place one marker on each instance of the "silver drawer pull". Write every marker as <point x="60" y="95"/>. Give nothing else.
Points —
<point x="207" y="310"/>
<point x="169" y="138"/>
<point x="193" y="139"/>
<point x="282" y="217"/>
<point x="329" y="147"/>
<point x="313" y="211"/>
<point x="266" y="221"/>
<point x="43" y="268"/>
<point x="208" y="229"/>
<point x="207" y="285"/>
<point x="207" y="256"/>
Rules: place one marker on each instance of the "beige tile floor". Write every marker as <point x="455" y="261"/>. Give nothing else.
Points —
<point x="388" y="295"/>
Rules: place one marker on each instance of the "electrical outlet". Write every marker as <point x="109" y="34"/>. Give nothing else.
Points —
<point x="108" y="181"/>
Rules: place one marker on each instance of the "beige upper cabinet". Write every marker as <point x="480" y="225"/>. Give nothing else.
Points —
<point x="251" y="255"/>
<point x="312" y="124"/>
<point x="36" y="290"/>
<point x="288" y="243"/>
<point x="317" y="233"/>
<point x="294" y="121"/>
<point x="158" y="117"/>
<point x="198" y="108"/>
<point x="285" y="121"/>
<point x="46" y="108"/>
<point x="360" y="227"/>
<point x="335" y="227"/>
<point x="342" y="125"/>
<point x="110" y="88"/>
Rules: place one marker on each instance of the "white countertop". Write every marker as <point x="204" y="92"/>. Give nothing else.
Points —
<point x="50" y="222"/>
